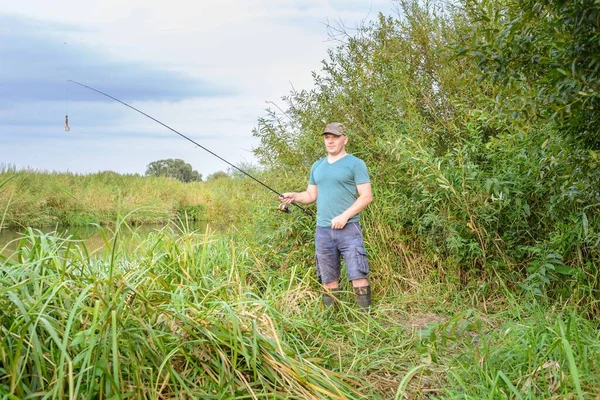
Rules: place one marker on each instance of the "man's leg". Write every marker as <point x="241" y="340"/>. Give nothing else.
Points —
<point x="354" y="253"/>
<point x="331" y="285"/>
<point x="360" y="282"/>
<point x="362" y="290"/>
<point x="332" y="294"/>
<point x="328" y="265"/>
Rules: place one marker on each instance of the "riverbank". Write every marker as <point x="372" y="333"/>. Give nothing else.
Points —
<point x="31" y="198"/>
<point x="189" y="315"/>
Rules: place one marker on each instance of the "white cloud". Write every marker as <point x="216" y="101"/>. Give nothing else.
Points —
<point x="254" y="50"/>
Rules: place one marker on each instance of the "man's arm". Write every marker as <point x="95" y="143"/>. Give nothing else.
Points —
<point x="364" y="198"/>
<point x="306" y="197"/>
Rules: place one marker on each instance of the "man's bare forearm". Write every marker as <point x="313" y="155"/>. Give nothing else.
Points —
<point x="299" y="197"/>
<point x="365" y="196"/>
<point x="306" y="197"/>
<point x="303" y="197"/>
<point x="359" y="204"/>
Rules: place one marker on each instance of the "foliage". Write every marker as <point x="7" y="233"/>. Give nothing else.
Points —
<point x="545" y="353"/>
<point x="34" y="198"/>
<point x="173" y="325"/>
<point x="546" y="56"/>
<point x="249" y="168"/>
<point x="483" y="241"/>
<point x="173" y="168"/>
<point x="185" y="314"/>
<point x="217" y="175"/>
<point x="463" y="189"/>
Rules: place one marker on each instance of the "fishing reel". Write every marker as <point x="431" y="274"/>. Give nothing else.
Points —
<point x="284" y="207"/>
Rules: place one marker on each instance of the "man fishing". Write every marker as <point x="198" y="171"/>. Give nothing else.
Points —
<point x="341" y="186"/>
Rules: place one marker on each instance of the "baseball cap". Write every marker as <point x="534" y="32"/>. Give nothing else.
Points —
<point x="335" y="128"/>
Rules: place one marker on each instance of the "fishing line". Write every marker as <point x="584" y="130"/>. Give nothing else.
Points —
<point x="305" y="210"/>
<point x="67" y="127"/>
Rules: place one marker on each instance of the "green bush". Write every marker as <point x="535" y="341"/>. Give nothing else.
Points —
<point x="463" y="189"/>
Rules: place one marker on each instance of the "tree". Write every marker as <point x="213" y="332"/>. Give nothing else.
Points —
<point x="173" y="168"/>
<point x="546" y="55"/>
<point x="217" y="175"/>
<point x="246" y="166"/>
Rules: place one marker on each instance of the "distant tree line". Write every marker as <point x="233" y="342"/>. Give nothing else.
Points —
<point x="180" y="170"/>
<point x="173" y="168"/>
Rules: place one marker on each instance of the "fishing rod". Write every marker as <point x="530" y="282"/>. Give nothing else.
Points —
<point x="282" y="207"/>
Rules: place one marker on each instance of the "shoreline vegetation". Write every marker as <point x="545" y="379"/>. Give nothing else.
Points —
<point x="30" y="198"/>
<point x="194" y="315"/>
<point x="479" y="123"/>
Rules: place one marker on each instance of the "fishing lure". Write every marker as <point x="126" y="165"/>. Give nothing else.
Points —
<point x="67" y="127"/>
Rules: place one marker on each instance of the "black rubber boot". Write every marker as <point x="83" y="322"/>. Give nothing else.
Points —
<point x="331" y="297"/>
<point x="363" y="297"/>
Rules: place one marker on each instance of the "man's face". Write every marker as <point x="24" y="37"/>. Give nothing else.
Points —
<point x="334" y="144"/>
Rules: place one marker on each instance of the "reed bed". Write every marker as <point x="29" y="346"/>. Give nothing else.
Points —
<point x="42" y="198"/>
<point x="483" y="239"/>
<point x="185" y="314"/>
<point x="178" y="320"/>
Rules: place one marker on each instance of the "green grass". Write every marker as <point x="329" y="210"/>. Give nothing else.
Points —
<point x="176" y="320"/>
<point x="39" y="199"/>
<point x="194" y="315"/>
<point x="483" y="243"/>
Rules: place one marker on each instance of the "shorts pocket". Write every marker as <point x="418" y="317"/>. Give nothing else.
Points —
<point x="362" y="264"/>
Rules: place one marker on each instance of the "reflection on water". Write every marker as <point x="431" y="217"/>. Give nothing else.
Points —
<point x="94" y="237"/>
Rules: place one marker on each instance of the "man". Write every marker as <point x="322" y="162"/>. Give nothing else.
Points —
<point x="341" y="186"/>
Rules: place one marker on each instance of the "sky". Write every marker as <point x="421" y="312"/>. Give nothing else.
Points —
<point x="206" y="68"/>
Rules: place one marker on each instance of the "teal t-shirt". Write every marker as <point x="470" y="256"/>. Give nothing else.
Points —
<point x="336" y="186"/>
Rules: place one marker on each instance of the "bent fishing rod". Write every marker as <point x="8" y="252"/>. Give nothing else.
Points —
<point x="281" y="208"/>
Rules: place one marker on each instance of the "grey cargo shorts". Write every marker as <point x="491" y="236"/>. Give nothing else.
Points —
<point x="347" y="242"/>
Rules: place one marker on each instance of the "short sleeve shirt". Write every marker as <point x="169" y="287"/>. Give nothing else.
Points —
<point x="336" y="186"/>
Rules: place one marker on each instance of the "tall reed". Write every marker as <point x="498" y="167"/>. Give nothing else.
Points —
<point x="39" y="198"/>
<point x="197" y="315"/>
<point x="179" y="316"/>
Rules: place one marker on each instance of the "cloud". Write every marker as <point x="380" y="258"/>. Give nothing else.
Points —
<point x="36" y="64"/>
<point x="205" y="68"/>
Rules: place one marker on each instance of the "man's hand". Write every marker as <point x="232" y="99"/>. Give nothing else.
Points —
<point x="339" y="222"/>
<point x="306" y="197"/>
<point x="288" y="198"/>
